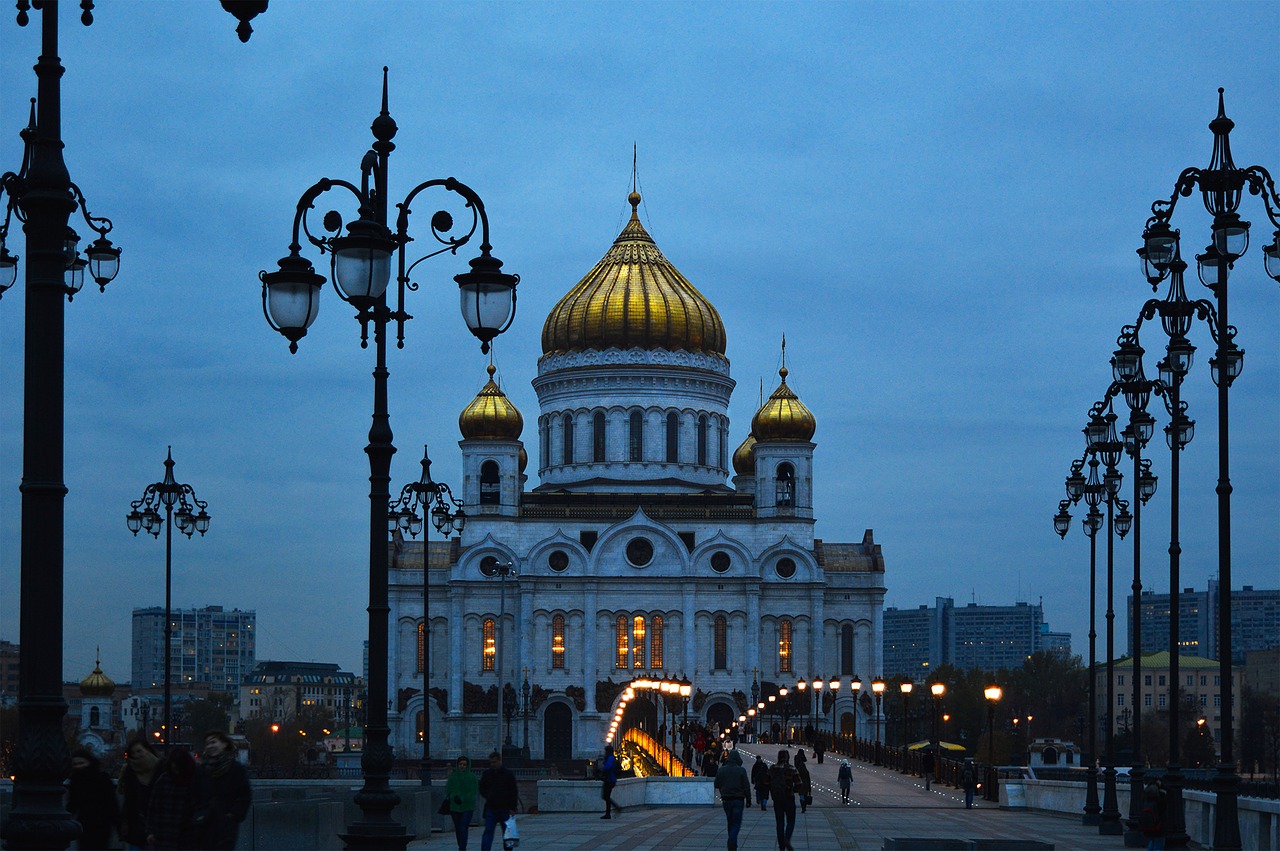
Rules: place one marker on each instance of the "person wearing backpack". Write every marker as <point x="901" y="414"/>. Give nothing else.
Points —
<point x="845" y="777"/>
<point x="760" y="780"/>
<point x="735" y="793"/>
<point x="1151" y="817"/>
<point x="783" y="784"/>
<point x="969" y="781"/>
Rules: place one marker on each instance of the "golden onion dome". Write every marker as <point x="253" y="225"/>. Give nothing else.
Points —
<point x="490" y="416"/>
<point x="97" y="684"/>
<point x="524" y="459"/>
<point x="744" y="457"/>
<point x="783" y="416"/>
<point x="634" y="298"/>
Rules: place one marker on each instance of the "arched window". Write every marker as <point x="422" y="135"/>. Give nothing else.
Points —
<point x="490" y="486"/>
<point x="597" y="437"/>
<point x="95" y="717"/>
<point x="567" y="454"/>
<point x="702" y="440"/>
<point x="638" y="632"/>
<point x="673" y="438"/>
<point x="422" y="727"/>
<point x="846" y="650"/>
<point x="422" y="648"/>
<point x="786" y="485"/>
<point x="624" y="648"/>
<point x="635" y="437"/>
<point x="557" y="641"/>
<point x="784" y="646"/>
<point x="489" y="636"/>
<point x="545" y="434"/>
<point x="723" y="440"/>
<point x="721" y="643"/>
<point x="655" y="642"/>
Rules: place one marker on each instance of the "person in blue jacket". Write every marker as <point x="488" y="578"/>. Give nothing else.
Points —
<point x="609" y="774"/>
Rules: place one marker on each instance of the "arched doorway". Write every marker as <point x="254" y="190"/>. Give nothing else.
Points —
<point x="846" y="722"/>
<point x="557" y="732"/>
<point x="721" y="714"/>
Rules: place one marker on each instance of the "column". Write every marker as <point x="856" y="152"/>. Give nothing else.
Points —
<point x="688" y="608"/>
<point x="817" y="642"/>
<point x="753" y="631"/>
<point x="458" y="661"/>
<point x="590" y="655"/>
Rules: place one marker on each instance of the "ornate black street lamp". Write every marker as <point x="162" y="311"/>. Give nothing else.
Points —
<point x="502" y="570"/>
<point x="833" y="684"/>
<point x="856" y="687"/>
<point x="877" y="688"/>
<point x="938" y="690"/>
<point x="144" y="514"/>
<point x="435" y="500"/>
<point x="360" y="264"/>
<point x="1222" y="187"/>
<point x="905" y="688"/>
<point x="993" y="694"/>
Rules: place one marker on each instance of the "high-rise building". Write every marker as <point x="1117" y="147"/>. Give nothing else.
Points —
<point x="208" y="645"/>
<point x="10" y="662"/>
<point x="1255" y="621"/>
<point x="972" y="636"/>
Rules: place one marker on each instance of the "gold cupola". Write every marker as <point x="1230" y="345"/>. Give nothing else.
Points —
<point x="490" y="416"/>
<point x="97" y="684"/>
<point x="744" y="457"/>
<point x="783" y="417"/>
<point x="634" y="298"/>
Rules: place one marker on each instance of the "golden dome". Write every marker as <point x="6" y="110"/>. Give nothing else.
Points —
<point x="783" y="416"/>
<point x="97" y="684"/>
<point x="524" y="459"/>
<point x="490" y="416"/>
<point x="634" y="298"/>
<point x="744" y="457"/>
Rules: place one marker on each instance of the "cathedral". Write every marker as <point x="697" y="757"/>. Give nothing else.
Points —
<point x="640" y="551"/>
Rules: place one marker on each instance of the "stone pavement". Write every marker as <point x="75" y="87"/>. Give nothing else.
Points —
<point x="885" y="804"/>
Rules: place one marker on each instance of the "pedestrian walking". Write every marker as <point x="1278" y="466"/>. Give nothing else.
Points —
<point x="927" y="767"/>
<point x="91" y="798"/>
<point x="819" y="748"/>
<point x="760" y="780"/>
<point x="501" y="797"/>
<point x="1151" y="816"/>
<point x="806" y="783"/>
<point x="845" y="778"/>
<point x="222" y="793"/>
<point x="969" y="780"/>
<point x="460" y="792"/>
<point x="783" y="783"/>
<point x="171" y="820"/>
<point x="609" y="774"/>
<point x="734" y="787"/>
<point x="137" y="778"/>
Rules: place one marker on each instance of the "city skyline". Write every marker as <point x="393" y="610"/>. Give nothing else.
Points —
<point x="829" y="188"/>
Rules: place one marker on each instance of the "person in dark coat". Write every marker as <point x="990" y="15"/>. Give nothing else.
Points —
<point x="609" y="775"/>
<point x="501" y="797"/>
<point x="222" y="793"/>
<point x="170" y="816"/>
<point x="783" y="783"/>
<point x="91" y="798"/>
<point x="139" y="774"/>
<point x="735" y="792"/>
<point x="927" y="768"/>
<point x="845" y="778"/>
<point x="760" y="780"/>
<point x="806" y="783"/>
<point x="969" y="780"/>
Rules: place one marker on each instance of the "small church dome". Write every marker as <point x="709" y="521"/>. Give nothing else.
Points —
<point x="744" y="457"/>
<point x="783" y="416"/>
<point x="490" y="416"/>
<point x="97" y="684"/>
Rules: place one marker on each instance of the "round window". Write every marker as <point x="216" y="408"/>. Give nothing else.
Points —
<point x="786" y="568"/>
<point x="489" y="565"/>
<point x="720" y="561"/>
<point x="558" y="560"/>
<point x="640" y="551"/>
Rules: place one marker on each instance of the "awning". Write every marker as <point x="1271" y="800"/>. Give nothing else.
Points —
<point x="927" y="744"/>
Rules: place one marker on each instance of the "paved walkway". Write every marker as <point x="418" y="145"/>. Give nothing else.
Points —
<point x="885" y="804"/>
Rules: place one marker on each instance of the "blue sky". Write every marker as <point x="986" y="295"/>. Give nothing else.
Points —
<point x="937" y="203"/>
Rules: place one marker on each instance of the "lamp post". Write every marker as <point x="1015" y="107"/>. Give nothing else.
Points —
<point x="361" y="264"/>
<point x="856" y="686"/>
<point x="168" y="493"/>
<point x="833" y="685"/>
<point x="526" y="694"/>
<point x="1221" y="187"/>
<point x="992" y="693"/>
<point x="433" y="499"/>
<point x="938" y="690"/>
<point x="784" y="705"/>
<point x="502" y="569"/>
<point x="817" y="684"/>
<point x="877" y="688"/>
<point x="906" y="709"/>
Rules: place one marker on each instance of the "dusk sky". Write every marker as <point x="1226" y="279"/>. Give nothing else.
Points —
<point x="937" y="203"/>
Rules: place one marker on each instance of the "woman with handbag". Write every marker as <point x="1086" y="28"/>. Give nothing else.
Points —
<point x="460" y="792"/>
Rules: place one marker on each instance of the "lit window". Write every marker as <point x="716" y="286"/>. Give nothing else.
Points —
<point x="655" y="643"/>
<point x="784" y="646"/>
<point x="557" y="641"/>
<point x="490" y="645"/>
<point x="624" y="649"/>
<point x="422" y="648"/>
<point x="637" y="643"/>
<point x="721" y="641"/>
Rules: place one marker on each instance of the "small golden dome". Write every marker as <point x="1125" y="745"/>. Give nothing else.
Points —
<point x="744" y="457"/>
<point x="97" y="684"/>
<point x="634" y="298"/>
<point x="524" y="459"/>
<point x="783" y="416"/>
<point x="490" y="416"/>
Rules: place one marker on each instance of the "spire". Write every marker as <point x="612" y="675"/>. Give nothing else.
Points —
<point x="634" y="198"/>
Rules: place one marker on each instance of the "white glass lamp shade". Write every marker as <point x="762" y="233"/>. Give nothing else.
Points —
<point x="1271" y="257"/>
<point x="1160" y="242"/>
<point x="73" y="278"/>
<point x="8" y="268"/>
<point x="487" y="297"/>
<point x="362" y="262"/>
<point x="1231" y="236"/>
<point x="202" y="521"/>
<point x="104" y="261"/>
<point x="291" y="297"/>
<point x="993" y="693"/>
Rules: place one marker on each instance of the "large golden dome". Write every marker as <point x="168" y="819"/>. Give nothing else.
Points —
<point x="490" y="416"/>
<point x="744" y="457"/>
<point x="783" y="416"/>
<point x="97" y="684"/>
<point x="634" y="298"/>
